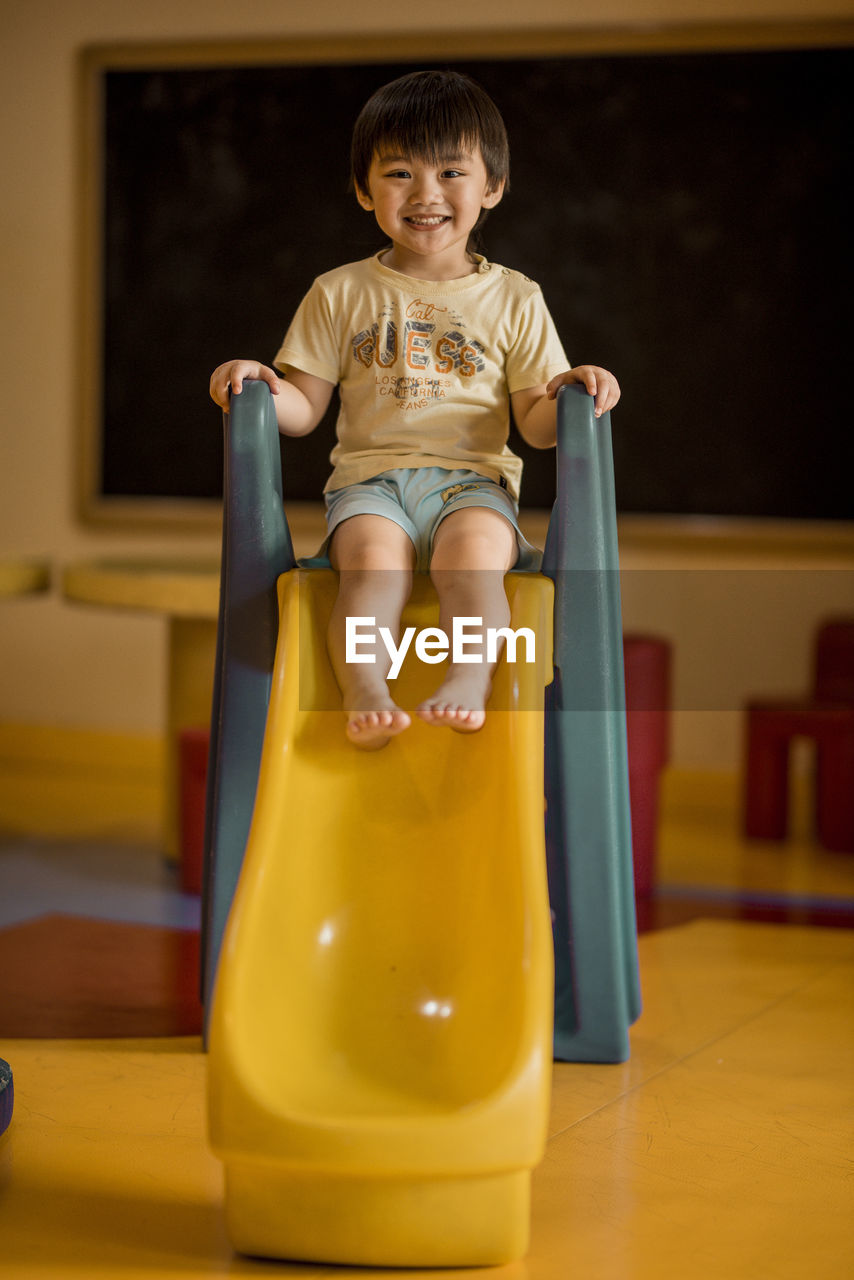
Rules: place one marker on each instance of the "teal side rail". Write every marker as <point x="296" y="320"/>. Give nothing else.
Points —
<point x="588" y="820"/>
<point x="256" y="549"/>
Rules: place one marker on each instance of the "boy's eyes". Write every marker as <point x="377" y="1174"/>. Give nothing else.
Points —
<point x="405" y="173"/>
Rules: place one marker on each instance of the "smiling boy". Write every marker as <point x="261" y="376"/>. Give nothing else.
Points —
<point x="431" y="347"/>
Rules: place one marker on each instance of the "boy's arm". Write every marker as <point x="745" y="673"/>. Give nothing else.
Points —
<point x="534" y="409"/>
<point x="300" y="399"/>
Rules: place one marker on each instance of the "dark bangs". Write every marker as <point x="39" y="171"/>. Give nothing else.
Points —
<point x="432" y="116"/>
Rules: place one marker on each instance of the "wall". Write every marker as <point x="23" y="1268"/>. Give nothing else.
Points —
<point x="68" y="666"/>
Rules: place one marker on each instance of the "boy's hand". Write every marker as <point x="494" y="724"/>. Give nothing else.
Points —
<point x="599" y="383"/>
<point x="234" y="373"/>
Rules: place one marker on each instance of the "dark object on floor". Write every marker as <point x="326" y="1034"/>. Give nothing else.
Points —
<point x="7" y="1095"/>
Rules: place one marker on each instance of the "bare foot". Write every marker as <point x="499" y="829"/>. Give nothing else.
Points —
<point x="459" y="703"/>
<point x="372" y="727"/>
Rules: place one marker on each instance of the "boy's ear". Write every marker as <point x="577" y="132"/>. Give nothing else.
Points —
<point x="364" y="199"/>
<point x="492" y="198"/>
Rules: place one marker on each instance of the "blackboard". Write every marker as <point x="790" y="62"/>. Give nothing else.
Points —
<point x="687" y="215"/>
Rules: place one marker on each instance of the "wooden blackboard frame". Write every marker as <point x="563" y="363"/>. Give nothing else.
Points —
<point x="98" y="508"/>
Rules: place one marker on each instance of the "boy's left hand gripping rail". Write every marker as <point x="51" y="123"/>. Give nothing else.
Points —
<point x="256" y="550"/>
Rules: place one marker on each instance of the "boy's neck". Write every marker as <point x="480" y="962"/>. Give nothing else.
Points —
<point x="434" y="267"/>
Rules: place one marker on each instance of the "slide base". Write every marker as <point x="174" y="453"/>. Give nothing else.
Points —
<point x="378" y="1222"/>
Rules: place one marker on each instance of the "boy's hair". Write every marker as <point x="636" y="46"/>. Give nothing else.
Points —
<point x="430" y="115"/>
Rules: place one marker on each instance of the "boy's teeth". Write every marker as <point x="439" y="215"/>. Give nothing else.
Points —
<point x="428" y="222"/>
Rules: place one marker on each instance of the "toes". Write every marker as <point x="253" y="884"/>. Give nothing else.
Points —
<point x="453" y="715"/>
<point x="374" y="728"/>
<point x="367" y="736"/>
<point x="468" y="721"/>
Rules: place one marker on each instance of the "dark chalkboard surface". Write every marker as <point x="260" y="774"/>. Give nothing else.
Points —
<point x="688" y="217"/>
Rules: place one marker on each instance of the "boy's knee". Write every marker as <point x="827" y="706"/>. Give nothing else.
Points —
<point x="474" y="538"/>
<point x="371" y="543"/>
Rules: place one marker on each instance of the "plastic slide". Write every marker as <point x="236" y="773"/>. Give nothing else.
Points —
<point x="378" y="1032"/>
<point x="381" y="1029"/>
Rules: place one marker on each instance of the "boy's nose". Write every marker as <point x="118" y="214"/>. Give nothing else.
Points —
<point x="426" y="190"/>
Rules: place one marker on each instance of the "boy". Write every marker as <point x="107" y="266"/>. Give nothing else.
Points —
<point x="431" y="346"/>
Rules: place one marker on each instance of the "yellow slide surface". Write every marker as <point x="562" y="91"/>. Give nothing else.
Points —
<point x="381" y="1031"/>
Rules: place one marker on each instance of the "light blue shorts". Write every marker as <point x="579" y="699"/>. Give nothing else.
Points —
<point x="418" y="499"/>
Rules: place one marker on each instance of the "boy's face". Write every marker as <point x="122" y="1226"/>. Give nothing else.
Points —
<point x="429" y="209"/>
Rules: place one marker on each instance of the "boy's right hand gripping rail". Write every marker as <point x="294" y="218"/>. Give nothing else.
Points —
<point x="588" y="820"/>
<point x="588" y="826"/>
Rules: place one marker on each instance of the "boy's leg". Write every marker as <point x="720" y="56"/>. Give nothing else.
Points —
<point x="374" y="558"/>
<point x="472" y="550"/>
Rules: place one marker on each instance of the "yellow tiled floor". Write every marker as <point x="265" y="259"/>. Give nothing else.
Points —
<point x="718" y="1151"/>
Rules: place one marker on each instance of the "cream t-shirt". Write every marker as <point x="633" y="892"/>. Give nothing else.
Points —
<point x="424" y="368"/>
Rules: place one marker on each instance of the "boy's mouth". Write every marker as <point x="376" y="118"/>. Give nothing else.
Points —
<point x="434" y="220"/>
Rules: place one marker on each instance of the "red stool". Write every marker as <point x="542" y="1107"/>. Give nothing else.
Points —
<point x="193" y="747"/>
<point x="647" y="665"/>
<point x="826" y="717"/>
